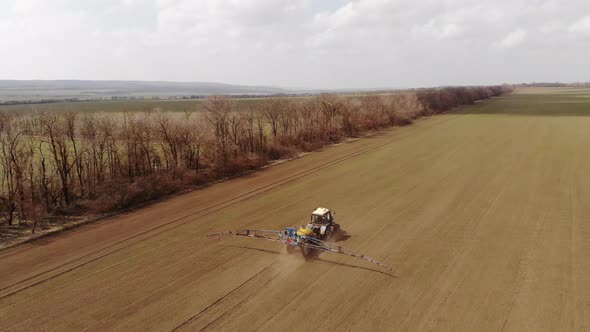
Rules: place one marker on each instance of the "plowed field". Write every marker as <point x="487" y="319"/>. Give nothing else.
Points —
<point x="483" y="214"/>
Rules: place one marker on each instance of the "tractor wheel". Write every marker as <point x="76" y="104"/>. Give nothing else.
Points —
<point x="336" y="232"/>
<point x="329" y="234"/>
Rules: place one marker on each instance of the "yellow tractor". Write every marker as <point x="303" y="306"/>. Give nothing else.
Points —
<point x="312" y="238"/>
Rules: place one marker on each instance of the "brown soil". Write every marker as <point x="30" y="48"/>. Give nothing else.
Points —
<point x="482" y="218"/>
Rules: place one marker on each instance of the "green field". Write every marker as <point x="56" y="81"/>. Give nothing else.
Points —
<point x="538" y="101"/>
<point x="181" y="105"/>
<point x="144" y="105"/>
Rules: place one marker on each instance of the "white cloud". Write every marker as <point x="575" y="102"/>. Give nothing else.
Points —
<point x="513" y="39"/>
<point x="440" y="30"/>
<point x="581" y="26"/>
<point x="312" y="43"/>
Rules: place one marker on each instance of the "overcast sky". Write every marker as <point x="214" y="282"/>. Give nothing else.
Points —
<point x="297" y="43"/>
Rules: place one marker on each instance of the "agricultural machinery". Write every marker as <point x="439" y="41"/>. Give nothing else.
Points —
<point x="310" y="239"/>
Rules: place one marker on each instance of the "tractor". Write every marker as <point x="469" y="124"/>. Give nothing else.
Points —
<point x="321" y="226"/>
<point x="313" y="238"/>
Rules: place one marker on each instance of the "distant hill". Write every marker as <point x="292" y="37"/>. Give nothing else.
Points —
<point x="37" y="90"/>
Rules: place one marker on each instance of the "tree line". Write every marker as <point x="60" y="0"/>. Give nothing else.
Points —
<point x="54" y="163"/>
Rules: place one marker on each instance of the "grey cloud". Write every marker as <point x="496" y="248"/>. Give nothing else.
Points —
<point x="319" y="43"/>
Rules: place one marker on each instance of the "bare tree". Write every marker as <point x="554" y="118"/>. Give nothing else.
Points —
<point x="170" y="134"/>
<point x="108" y="140"/>
<point x="248" y="119"/>
<point x="330" y="107"/>
<point x="272" y="109"/>
<point x="70" y="124"/>
<point x="14" y="160"/>
<point x="9" y="141"/>
<point x="54" y="131"/>
<point x="235" y="132"/>
<point x="217" y="111"/>
<point x="193" y="136"/>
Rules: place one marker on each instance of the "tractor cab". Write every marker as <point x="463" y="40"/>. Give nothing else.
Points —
<point x="321" y="224"/>
<point x="322" y="216"/>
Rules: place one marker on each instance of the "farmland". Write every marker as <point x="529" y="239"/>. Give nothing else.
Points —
<point x="481" y="213"/>
<point x="118" y="106"/>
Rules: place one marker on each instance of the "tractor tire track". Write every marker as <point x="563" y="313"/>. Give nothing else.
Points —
<point x="219" y="303"/>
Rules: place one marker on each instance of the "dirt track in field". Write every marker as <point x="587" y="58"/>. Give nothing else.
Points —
<point x="483" y="217"/>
